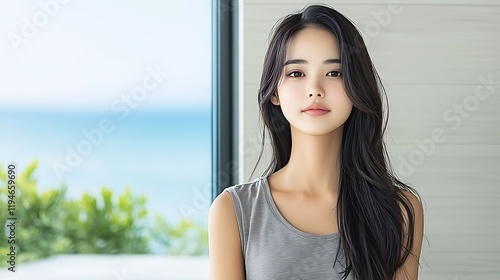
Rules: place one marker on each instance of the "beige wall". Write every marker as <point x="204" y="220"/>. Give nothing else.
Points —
<point x="433" y="56"/>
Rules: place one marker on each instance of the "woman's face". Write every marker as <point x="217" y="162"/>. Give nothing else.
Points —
<point x="312" y="76"/>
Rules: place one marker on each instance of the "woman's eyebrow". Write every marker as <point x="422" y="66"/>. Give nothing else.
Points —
<point x="303" y="61"/>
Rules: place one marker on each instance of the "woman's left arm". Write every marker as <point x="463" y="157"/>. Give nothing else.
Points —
<point x="409" y="270"/>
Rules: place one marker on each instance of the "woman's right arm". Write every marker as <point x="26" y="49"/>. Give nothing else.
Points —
<point x="224" y="246"/>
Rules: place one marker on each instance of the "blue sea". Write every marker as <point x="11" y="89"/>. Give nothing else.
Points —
<point x="165" y="155"/>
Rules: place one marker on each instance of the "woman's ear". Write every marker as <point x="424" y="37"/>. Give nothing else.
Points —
<point x="275" y="99"/>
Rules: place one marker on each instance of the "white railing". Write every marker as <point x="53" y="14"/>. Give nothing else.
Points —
<point x="110" y="267"/>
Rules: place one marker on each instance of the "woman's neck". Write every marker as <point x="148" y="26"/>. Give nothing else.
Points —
<point x="314" y="165"/>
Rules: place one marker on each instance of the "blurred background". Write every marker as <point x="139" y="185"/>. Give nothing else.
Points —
<point x="106" y="107"/>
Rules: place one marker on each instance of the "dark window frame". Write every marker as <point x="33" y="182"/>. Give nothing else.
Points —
<point x="224" y="95"/>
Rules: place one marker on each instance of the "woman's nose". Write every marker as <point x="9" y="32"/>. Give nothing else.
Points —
<point x="315" y="92"/>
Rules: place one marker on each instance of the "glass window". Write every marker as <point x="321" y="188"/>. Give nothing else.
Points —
<point x="105" y="111"/>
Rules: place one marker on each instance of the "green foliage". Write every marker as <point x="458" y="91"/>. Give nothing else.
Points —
<point x="100" y="225"/>
<point x="185" y="239"/>
<point x="49" y="223"/>
<point x="38" y="216"/>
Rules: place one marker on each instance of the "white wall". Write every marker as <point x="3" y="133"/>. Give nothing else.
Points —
<point x="433" y="56"/>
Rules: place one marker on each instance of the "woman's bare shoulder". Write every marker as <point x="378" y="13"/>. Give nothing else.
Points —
<point x="224" y="245"/>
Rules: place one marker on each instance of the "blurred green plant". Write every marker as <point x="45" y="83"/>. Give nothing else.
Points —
<point x="187" y="238"/>
<point x="102" y="226"/>
<point x="49" y="223"/>
<point x="38" y="217"/>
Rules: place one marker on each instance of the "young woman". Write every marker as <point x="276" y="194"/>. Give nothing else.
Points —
<point x="328" y="206"/>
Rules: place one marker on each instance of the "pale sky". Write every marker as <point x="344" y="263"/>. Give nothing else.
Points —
<point x="87" y="54"/>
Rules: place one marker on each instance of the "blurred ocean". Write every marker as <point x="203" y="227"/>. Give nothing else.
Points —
<point x="165" y="155"/>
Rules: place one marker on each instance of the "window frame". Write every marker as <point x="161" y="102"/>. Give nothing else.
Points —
<point x="224" y="107"/>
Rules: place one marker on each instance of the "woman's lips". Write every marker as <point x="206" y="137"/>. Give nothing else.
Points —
<point x="316" y="112"/>
<point x="316" y="109"/>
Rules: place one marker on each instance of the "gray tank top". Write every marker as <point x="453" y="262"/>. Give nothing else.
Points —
<point x="273" y="249"/>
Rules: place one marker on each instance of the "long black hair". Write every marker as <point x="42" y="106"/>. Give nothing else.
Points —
<point x="371" y="202"/>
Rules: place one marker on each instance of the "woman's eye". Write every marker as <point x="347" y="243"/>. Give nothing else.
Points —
<point x="335" y="73"/>
<point x="298" y="74"/>
<point x="295" y="74"/>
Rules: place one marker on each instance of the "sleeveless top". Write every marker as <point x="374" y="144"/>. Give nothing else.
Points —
<point x="273" y="249"/>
